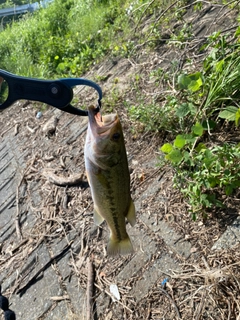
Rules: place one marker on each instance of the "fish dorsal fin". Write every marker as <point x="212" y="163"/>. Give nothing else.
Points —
<point x="131" y="215"/>
<point x="98" y="219"/>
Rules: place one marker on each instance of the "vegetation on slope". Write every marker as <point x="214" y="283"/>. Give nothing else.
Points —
<point x="63" y="39"/>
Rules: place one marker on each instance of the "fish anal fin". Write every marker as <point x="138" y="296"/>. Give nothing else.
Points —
<point x="98" y="219"/>
<point x="116" y="247"/>
<point x="131" y="215"/>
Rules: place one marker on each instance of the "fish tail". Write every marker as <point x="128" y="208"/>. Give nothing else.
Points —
<point x="119" y="247"/>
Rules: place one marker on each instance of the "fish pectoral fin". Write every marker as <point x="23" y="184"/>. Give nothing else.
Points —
<point x="131" y="215"/>
<point x="119" y="247"/>
<point x="98" y="219"/>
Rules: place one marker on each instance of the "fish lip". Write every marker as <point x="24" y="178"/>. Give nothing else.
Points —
<point x="97" y="124"/>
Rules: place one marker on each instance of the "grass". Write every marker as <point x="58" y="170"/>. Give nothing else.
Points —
<point x="206" y="171"/>
<point x="68" y="37"/>
<point x="64" y="39"/>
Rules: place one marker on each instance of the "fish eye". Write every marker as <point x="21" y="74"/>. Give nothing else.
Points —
<point x="116" y="136"/>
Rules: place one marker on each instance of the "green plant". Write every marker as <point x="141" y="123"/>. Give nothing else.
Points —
<point x="154" y="116"/>
<point x="183" y="34"/>
<point x="231" y="113"/>
<point x="112" y="101"/>
<point x="203" y="173"/>
<point x="65" y="39"/>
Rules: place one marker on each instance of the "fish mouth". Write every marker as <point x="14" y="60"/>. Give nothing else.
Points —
<point x="101" y="124"/>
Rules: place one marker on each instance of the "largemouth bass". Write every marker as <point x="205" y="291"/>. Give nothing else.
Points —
<point x="108" y="176"/>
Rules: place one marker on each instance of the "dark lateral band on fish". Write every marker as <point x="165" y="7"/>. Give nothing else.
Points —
<point x="114" y="212"/>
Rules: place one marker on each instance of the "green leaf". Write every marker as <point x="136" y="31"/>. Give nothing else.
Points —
<point x="190" y="138"/>
<point x="208" y="154"/>
<point x="195" y="85"/>
<point x="229" y="113"/>
<point x="195" y="76"/>
<point x="198" y="129"/>
<point x="194" y="216"/>
<point x="212" y="181"/>
<point x="186" y="156"/>
<point x="124" y="47"/>
<point x="195" y="189"/>
<point x="183" y="110"/>
<point x="183" y="81"/>
<point x="228" y="190"/>
<point x="174" y="156"/>
<point x="219" y="65"/>
<point x="237" y="117"/>
<point x="166" y="148"/>
<point x="179" y="142"/>
<point x="201" y="146"/>
<point x="193" y="109"/>
<point x="237" y="33"/>
<point x="192" y="82"/>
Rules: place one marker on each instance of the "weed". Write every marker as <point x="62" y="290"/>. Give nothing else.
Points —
<point x="154" y="116"/>
<point x="203" y="174"/>
<point x="64" y="39"/>
<point x="112" y="100"/>
<point x="182" y="35"/>
<point x="67" y="37"/>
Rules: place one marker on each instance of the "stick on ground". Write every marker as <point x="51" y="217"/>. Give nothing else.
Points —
<point x="90" y="283"/>
<point x="63" y="181"/>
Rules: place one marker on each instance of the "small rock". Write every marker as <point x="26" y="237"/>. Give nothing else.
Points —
<point x="39" y="115"/>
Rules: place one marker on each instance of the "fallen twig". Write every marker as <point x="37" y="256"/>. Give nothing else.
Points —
<point x="16" y="129"/>
<point x="62" y="159"/>
<point x="48" y="158"/>
<point x="65" y="199"/>
<point x="59" y="298"/>
<point x="18" y="216"/>
<point x="63" y="181"/>
<point x="23" y="242"/>
<point x="174" y="304"/>
<point x="32" y="130"/>
<point x="90" y="284"/>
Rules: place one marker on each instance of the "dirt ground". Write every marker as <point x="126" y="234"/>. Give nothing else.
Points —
<point x="174" y="272"/>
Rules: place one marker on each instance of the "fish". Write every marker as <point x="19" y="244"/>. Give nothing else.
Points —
<point x="109" y="179"/>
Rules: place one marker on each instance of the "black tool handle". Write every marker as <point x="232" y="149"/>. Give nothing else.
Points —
<point x="55" y="93"/>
